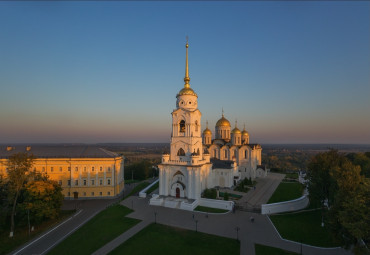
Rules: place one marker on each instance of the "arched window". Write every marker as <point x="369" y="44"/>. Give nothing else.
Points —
<point x="182" y="126"/>
<point x="225" y="153"/>
<point x="196" y="125"/>
<point x="198" y="152"/>
<point x="245" y="154"/>
<point x="238" y="139"/>
<point x="181" y="152"/>
<point x="214" y="154"/>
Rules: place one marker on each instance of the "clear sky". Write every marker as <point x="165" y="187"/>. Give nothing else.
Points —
<point x="293" y="72"/>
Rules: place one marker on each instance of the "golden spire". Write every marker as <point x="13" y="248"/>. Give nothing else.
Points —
<point x="187" y="78"/>
<point x="222" y="112"/>
<point x="236" y="123"/>
<point x="207" y="124"/>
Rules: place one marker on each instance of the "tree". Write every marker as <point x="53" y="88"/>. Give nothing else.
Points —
<point x="19" y="171"/>
<point x="321" y="185"/>
<point x="339" y="186"/>
<point x="43" y="198"/>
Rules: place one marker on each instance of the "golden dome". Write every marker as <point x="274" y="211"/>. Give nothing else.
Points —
<point x="207" y="132"/>
<point x="187" y="91"/>
<point x="223" y="122"/>
<point x="236" y="131"/>
<point x="245" y="132"/>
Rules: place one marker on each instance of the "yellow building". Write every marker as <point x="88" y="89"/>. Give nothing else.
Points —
<point x="83" y="171"/>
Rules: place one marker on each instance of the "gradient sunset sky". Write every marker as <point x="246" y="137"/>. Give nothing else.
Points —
<point x="293" y="72"/>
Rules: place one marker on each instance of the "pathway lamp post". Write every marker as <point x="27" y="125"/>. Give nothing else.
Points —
<point x="196" y="225"/>
<point x="237" y="233"/>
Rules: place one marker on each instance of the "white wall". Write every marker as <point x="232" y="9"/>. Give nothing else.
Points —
<point x="220" y="204"/>
<point x="286" y="206"/>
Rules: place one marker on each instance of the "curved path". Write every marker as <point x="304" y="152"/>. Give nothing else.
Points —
<point x="261" y="231"/>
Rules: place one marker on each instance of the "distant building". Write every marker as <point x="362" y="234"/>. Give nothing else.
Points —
<point x="197" y="162"/>
<point x="83" y="171"/>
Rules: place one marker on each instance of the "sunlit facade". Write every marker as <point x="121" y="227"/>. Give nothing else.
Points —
<point x="196" y="161"/>
<point x="84" y="172"/>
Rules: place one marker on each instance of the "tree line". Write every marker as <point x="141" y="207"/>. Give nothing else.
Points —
<point x="340" y="184"/>
<point x="26" y="195"/>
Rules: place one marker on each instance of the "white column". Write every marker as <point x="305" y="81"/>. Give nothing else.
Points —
<point x="190" y="192"/>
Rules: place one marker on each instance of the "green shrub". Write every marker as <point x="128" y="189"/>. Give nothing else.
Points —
<point x="210" y="193"/>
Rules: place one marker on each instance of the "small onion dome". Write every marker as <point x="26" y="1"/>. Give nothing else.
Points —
<point x="223" y="122"/>
<point x="236" y="131"/>
<point x="187" y="91"/>
<point x="245" y="132"/>
<point x="207" y="131"/>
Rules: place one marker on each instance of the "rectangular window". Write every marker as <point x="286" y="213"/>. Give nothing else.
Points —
<point x="69" y="193"/>
<point x="69" y="168"/>
<point x="92" y="193"/>
<point x="85" y="169"/>
<point x="101" y="193"/>
<point x="51" y="169"/>
<point x="60" y="182"/>
<point x="108" y="169"/>
<point x="60" y="169"/>
<point x="69" y="182"/>
<point x="76" y="182"/>
<point x="108" y="181"/>
<point x="108" y="193"/>
<point x="101" y="182"/>
<point x="84" y="182"/>
<point x="84" y="194"/>
<point x="101" y="169"/>
<point x="92" y="182"/>
<point x="92" y="169"/>
<point x="76" y="168"/>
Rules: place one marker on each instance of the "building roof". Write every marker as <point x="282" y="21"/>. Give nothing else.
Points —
<point x="58" y="151"/>
<point x="224" y="164"/>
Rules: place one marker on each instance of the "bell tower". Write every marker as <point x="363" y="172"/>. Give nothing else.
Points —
<point x="186" y="138"/>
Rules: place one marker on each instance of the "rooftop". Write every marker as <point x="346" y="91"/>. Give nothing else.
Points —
<point x="58" y="151"/>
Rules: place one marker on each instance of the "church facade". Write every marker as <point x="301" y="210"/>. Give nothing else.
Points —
<point x="196" y="161"/>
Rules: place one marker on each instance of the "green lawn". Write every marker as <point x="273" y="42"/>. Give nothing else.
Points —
<point x="235" y="196"/>
<point x="100" y="230"/>
<point x="268" y="250"/>
<point x="153" y="188"/>
<point x="137" y="189"/>
<point x="304" y="227"/>
<point x="8" y="244"/>
<point x="209" y="209"/>
<point x="132" y="181"/>
<point x="286" y="191"/>
<point x="291" y="175"/>
<point x="160" y="239"/>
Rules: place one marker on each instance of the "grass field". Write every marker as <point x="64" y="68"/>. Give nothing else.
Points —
<point x="268" y="250"/>
<point x="100" y="230"/>
<point x="209" y="209"/>
<point x="21" y="233"/>
<point x="160" y="239"/>
<point x="304" y="227"/>
<point x="291" y="175"/>
<point x="286" y="191"/>
<point x="137" y="189"/>
<point x="153" y="188"/>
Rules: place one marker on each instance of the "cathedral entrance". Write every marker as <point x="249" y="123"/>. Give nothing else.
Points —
<point x="177" y="192"/>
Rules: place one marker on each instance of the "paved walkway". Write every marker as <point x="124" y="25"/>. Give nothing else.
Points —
<point x="51" y="237"/>
<point x="254" y="198"/>
<point x="261" y="231"/>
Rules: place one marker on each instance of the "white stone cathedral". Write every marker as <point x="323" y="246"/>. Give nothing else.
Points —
<point x="195" y="162"/>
